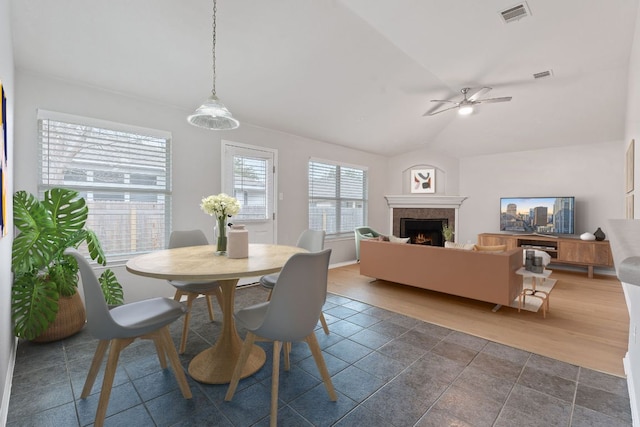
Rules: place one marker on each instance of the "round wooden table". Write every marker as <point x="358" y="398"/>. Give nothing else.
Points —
<point x="215" y="365"/>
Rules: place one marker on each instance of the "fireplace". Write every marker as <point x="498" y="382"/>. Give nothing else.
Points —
<point x="443" y="209"/>
<point x="423" y="231"/>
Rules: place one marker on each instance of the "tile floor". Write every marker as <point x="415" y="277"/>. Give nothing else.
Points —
<point x="388" y="370"/>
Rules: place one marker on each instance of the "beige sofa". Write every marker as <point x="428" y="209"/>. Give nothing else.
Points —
<point x="484" y="276"/>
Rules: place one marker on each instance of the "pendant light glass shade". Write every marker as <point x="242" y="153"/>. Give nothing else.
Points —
<point x="212" y="114"/>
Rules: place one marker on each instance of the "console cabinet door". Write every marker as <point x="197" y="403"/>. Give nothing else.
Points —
<point x="493" y="240"/>
<point x="581" y="252"/>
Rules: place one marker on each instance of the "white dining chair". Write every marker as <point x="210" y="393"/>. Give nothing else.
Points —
<point x="192" y="290"/>
<point x="313" y="241"/>
<point x="119" y="327"/>
<point x="290" y="315"/>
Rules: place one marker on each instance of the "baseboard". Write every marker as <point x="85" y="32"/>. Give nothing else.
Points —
<point x="342" y="264"/>
<point x="6" y="390"/>
<point x="635" y="415"/>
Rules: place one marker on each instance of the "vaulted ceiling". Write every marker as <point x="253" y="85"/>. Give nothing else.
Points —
<point x="359" y="73"/>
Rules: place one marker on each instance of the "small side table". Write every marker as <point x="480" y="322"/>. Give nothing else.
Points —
<point x="532" y="291"/>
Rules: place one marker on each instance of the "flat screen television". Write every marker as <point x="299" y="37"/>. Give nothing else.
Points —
<point x="543" y="215"/>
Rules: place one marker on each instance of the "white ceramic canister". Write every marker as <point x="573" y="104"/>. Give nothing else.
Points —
<point x="238" y="242"/>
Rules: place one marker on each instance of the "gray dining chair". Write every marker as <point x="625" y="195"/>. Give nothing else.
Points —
<point x="313" y="241"/>
<point x="119" y="327"/>
<point x="192" y="290"/>
<point x="290" y="315"/>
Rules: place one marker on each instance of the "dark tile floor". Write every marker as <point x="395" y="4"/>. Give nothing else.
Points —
<point x="388" y="370"/>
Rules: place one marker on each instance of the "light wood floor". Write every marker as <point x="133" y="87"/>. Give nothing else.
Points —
<point x="587" y="325"/>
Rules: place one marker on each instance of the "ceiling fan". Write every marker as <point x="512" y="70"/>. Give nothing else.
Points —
<point x="465" y="106"/>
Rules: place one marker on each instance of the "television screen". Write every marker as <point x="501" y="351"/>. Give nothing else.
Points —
<point x="545" y="215"/>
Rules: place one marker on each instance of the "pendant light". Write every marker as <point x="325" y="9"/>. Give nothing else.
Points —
<point x="212" y="114"/>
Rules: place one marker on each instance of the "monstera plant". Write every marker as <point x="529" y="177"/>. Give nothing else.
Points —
<point x="43" y="275"/>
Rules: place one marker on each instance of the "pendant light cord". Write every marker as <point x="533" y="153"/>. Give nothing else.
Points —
<point x="213" y="49"/>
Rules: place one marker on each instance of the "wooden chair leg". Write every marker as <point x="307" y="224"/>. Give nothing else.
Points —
<point x="242" y="360"/>
<point x="219" y="297"/>
<point x="209" y="307"/>
<point x="324" y="323"/>
<point x="178" y="295"/>
<point x="161" y="353"/>
<point x="187" y="318"/>
<point x="312" y="341"/>
<point x="275" y="382"/>
<point x="95" y="368"/>
<point x="107" y="382"/>
<point x="287" y="350"/>
<point x="164" y="339"/>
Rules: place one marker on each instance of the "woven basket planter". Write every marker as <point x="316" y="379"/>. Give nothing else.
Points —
<point x="69" y="320"/>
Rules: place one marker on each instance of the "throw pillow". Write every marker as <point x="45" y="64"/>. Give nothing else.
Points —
<point x="494" y="248"/>
<point x="454" y="245"/>
<point x="368" y="235"/>
<point x="399" y="239"/>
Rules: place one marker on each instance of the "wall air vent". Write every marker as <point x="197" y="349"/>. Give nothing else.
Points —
<point x="543" y="74"/>
<point x="515" y="13"/>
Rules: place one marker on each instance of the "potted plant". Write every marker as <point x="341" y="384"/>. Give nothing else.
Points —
<point x="448" y="233"/>
<point x="43" y="276"/>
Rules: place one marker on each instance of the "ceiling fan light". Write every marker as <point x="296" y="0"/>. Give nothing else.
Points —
<point x="465" y="110"/>
<point x="212" y="114"/>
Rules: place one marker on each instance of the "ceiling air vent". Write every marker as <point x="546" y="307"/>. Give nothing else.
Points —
<point x="515" y="13"/>
<point x="543" y="74"/>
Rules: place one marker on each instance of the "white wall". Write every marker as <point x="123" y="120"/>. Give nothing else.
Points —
<point x="632" y="293"/>
<point x="7" y="341"/>
<point x="591" y="173"/>
<point x="196" y="161"/>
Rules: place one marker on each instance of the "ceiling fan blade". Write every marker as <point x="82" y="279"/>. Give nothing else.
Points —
<point x="439" y="111"/>
<point x="490" y="100"/>
<point x="443" y="100"/>
<point x="479" y="93"/>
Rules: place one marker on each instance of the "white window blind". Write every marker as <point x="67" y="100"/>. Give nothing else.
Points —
<point x="337" y="197"/>
<point x="122" y="171"/>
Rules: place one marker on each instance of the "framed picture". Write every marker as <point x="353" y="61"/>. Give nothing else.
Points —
<point x="423" y="181"/>
<point x="4" y="173"/>
<point x="629" y="166"/>
<point x="629" y="206"/>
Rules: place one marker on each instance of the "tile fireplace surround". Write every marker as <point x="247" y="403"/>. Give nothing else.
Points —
<point x="422" y="207"/>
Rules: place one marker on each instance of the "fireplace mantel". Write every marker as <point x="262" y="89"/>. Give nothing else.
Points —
<point x="422" y="201"/>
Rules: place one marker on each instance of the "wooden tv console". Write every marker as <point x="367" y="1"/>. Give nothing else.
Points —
<point x="563" y="250"/>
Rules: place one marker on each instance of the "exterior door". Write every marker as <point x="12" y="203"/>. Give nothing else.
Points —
<point x="248" y="174"/>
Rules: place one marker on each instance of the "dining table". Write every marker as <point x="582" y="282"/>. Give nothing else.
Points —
<point x="216" y="364"/>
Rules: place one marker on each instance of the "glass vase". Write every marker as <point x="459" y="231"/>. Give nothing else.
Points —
<point x="221" y="233"/>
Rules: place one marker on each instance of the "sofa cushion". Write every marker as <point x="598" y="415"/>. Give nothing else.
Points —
<point x="454" y="245"/>
<point x="494" y="248"/>
<point x="395" y="239"/>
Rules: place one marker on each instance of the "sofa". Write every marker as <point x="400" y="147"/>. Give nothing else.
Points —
<point x="484" y="275"/>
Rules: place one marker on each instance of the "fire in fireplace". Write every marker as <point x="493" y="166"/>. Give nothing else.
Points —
<point x="423" y="231"/>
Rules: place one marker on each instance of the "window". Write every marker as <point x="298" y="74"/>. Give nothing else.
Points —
<point x="250" y="182"/>
<point x="122" y="171"/>
<point x="337" y="197"/>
